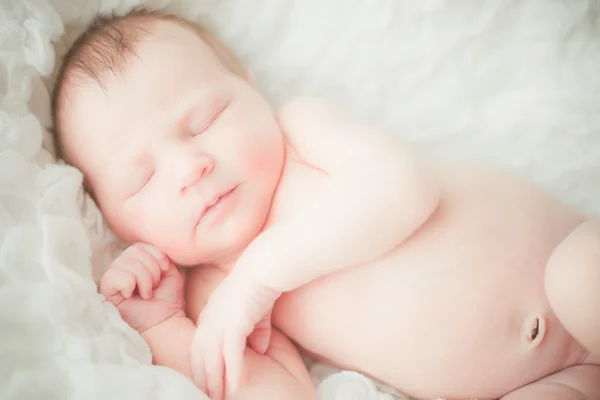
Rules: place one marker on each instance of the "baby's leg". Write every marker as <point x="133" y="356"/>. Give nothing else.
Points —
<point x="575" y="383"/>
<point x="572" y="282"/>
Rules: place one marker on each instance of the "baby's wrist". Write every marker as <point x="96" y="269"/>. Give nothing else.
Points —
<point x="246" y="279"/>
<point x="173" y="320"/>
<point x="170" y="343"/>
<point x="251" y="269"/>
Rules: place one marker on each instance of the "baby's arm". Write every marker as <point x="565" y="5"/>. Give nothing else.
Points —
<point x="147" y="289"/>
<point x="279" y="374"/>
<point x="377" y="194"/>
<point x="581" y="382"/>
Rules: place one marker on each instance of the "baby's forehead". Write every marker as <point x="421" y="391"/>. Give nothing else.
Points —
<point x="109" y="49"/>
<point x="111" y="53"/>
<point x="168" y="36"/>
<point x="170" y="58"/>
<point x="147" y="82"/>
<point x="103" y="71"/>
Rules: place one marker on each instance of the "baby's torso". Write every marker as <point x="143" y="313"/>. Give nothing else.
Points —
<point x="412" y="317"/>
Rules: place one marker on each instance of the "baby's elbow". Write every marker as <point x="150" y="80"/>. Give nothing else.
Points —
<point x="423" y="189"/>
<point x="430" y="190"/>
<point x="426" y="205"/>
<point x="413" y="196"/>
<point x="407" y="188"/>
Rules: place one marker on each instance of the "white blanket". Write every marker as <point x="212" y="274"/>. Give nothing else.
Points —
<point x="509" y="82"/>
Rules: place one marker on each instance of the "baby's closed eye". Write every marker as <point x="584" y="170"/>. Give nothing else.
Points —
<point x="202" y="118"/>
<point x="141" y="183"/>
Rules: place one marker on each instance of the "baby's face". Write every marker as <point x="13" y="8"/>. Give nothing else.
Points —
<point x="169" y="136"/>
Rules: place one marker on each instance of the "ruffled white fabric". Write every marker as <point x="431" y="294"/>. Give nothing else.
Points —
<point x="333" y="384"/>
<point x="514" y="83"/>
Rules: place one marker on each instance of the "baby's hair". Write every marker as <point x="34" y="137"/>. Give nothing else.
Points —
<point x="105" y="46"/>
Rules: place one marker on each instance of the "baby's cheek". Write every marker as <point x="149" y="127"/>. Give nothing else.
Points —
<point x="264" y="156"/>
<point x="145" y="224"/>
<point x="119" y="222"/>
<point x="262" y="163"/>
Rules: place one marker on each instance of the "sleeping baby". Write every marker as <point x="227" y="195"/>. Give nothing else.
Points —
<point x="441" y="280"/>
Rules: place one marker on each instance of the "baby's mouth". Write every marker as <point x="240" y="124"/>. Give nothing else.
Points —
<point x="214" y="205"/>
<point x="209" y="205"/>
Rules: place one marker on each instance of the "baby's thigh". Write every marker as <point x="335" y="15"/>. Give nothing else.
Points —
<point x="284" y="352"/>
<point x="580" y="382"/>
<point x="278" y="374"/>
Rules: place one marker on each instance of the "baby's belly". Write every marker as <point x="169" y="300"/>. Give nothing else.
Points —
<point x="411" y="318"/>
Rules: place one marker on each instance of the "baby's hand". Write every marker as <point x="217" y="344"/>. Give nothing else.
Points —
<point x="144" y="285"/>
<point x="238" y="309"/>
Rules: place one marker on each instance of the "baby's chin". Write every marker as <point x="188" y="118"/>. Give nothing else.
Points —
<point x="217" y="251"/>
<point x="190" y="258"/>
<point x="223" y="246"/>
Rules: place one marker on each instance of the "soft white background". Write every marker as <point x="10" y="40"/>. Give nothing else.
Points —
<point x="511" y="82"/>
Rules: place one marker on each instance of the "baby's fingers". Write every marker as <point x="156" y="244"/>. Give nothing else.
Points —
<point x="214" y="371"/>
<point x="164" y="263"/>
<point x="233" y="350"/>
<point x="140" y="254"/>
<point x="142" y="276"/>
<point x="117" y="281"/>
<point x="198" y="367"/>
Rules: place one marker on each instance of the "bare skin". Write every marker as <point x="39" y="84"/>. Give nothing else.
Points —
<point x="456" y="305"/>
<point x="148" y="290"/>
<point x="453" y="303"/>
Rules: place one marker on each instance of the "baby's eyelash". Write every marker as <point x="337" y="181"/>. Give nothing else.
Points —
<point x="144" y="184"/>
<point x="148" y="179"/>
<point x="214" y="116"/>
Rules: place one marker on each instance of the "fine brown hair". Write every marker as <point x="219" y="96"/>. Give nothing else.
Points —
<point x="104" y="48"/>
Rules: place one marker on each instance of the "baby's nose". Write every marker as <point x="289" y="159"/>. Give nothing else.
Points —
<point x="192" y="169"/>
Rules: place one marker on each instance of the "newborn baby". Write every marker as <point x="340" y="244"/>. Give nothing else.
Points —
<point x="457" y="281"/>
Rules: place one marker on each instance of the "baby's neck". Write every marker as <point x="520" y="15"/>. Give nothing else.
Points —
<point x="274" y="213"/>
<point x="228" y="262"/>
<point x="279" y="202"/>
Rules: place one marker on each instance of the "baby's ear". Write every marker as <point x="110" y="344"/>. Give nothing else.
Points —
<point x="572" y="281"/>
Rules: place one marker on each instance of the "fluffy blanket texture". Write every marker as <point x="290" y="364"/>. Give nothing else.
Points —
<point x="511" y="82"/>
